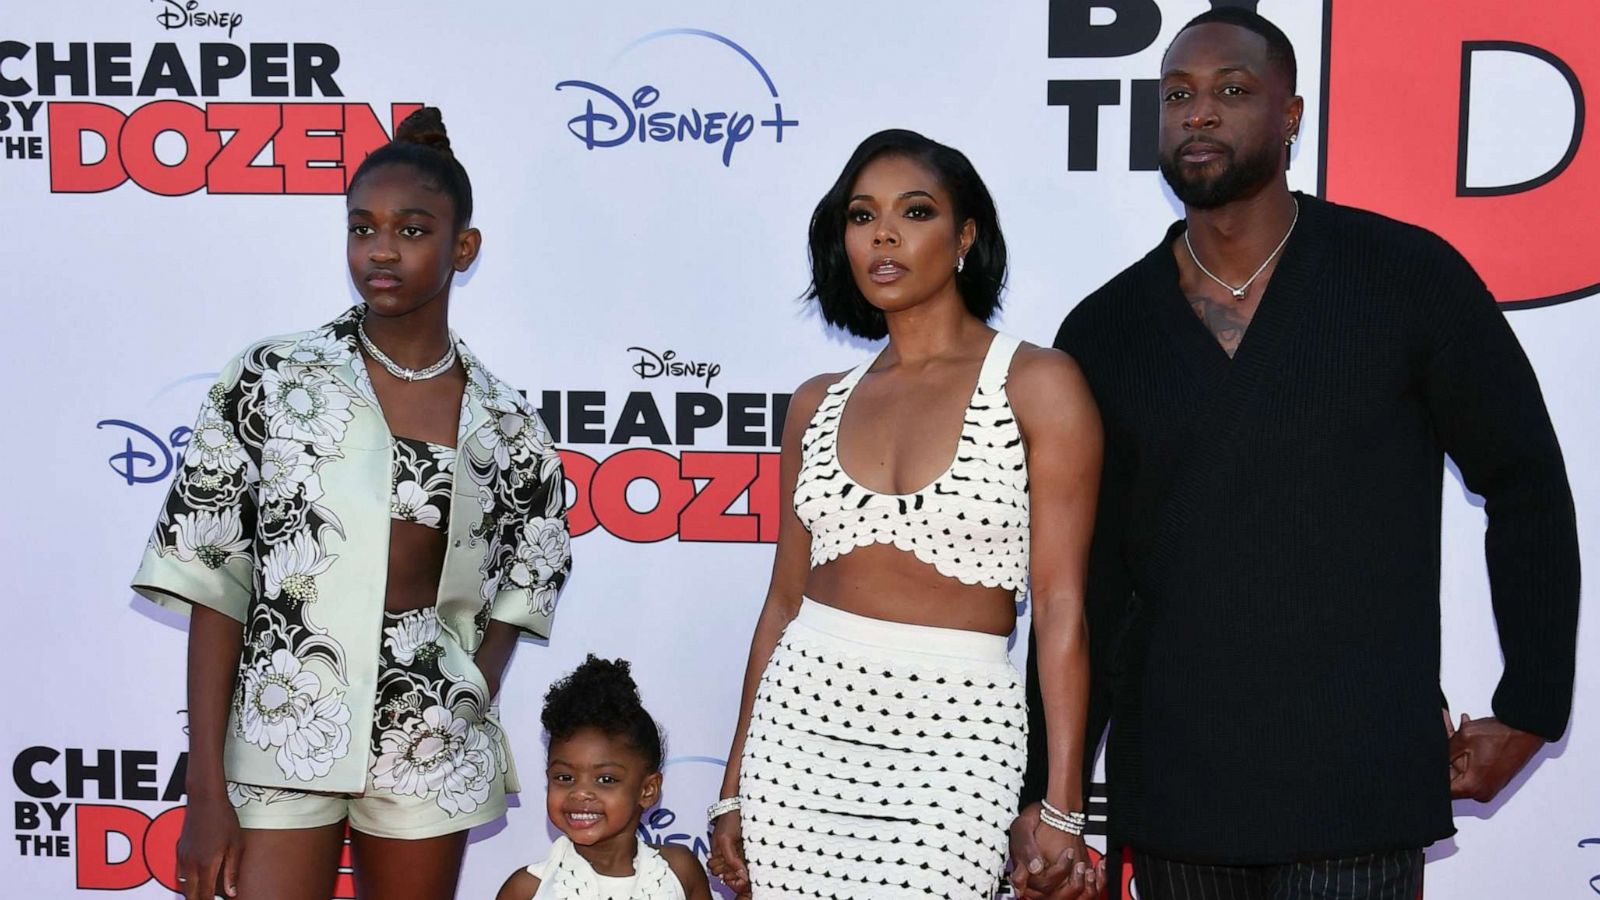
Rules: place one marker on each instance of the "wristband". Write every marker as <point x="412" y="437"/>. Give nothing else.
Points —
<point x="1071" y="822"/>
<point x="1069" y="826"/>
<point x="722" y="807"/>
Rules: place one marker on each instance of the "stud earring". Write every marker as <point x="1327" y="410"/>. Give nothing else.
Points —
<point x="961" y="263"/>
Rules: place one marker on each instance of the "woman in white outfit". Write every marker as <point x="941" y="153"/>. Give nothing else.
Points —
<point x="882" y="735"/>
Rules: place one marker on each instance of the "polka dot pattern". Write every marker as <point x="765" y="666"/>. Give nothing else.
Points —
<point x="882" y="772"/>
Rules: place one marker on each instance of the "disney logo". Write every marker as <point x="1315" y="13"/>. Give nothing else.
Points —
<point x="615" y="121"/>
<point x="653" y="829"/>
<point x="153" y="458"/>
<point x="654" y="365"/>
<point x="175" y="15"/>
<point x="1594" y="882"/>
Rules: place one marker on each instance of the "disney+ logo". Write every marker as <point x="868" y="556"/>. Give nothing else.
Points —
<point x="666" y="363"/>
<point x="608" y="120"/>
<point x="174" y="15"/>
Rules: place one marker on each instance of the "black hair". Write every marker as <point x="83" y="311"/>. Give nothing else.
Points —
<point x="981" y="279"/>
<point x="420" y="142"/>
<point x="601" y="694"/>
<point x="1279" y="51"/>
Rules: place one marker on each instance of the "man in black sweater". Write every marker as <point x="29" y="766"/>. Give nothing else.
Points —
<point x="1280" y="380"/>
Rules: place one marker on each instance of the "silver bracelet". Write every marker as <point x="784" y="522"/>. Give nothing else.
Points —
<point x="722" y="807"/>
<point x="1069" y="826"/>
<point x="1071" y="822"/>
<point x="1059" y="813"/>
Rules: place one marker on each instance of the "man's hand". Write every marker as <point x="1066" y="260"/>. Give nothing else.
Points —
<point x="1485" y="754"/>
<point x="1069" y="876"/>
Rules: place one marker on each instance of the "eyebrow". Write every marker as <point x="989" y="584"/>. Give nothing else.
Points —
<point x="600" y="765"/>
<point x="408" y="211"/>
<point x="1220" y="70"/>
<point x="904" y="196"/>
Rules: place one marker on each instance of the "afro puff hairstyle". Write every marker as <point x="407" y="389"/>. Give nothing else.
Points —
<point x="601" y="694"/>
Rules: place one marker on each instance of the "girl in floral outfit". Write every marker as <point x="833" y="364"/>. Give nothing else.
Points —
<point x="364" y="520"/>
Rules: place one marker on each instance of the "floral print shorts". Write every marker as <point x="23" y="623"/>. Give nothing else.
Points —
<point x="438" y="758"/>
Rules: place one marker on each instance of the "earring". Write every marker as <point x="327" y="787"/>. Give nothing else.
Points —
<point x="1289" y="141"/>
<point x="961" y="263"/>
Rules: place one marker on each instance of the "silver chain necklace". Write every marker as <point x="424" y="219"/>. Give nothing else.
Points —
<point x="1239" y="292"/>
<point x="401" y="372"/>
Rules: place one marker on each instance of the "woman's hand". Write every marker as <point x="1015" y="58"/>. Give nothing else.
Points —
<point x="1084" y="880"/>
<point x="209" y="850"/>
<point x="492" y="655"/>
<point x="211" y="843"/>
<point x="727" y="853"/>
<point x="1049" y="864"/>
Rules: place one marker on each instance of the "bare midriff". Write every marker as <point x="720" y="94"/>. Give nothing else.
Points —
<point x="416" y="559"/>
<point x="881" y="581"/>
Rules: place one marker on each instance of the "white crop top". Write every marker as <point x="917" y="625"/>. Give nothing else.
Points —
<point x="970" y="523"/>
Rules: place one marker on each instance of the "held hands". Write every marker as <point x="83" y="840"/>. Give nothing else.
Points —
<point x="727" y="853"/>
<point x="209" y="850"/>
<point x="1485" y="754"/>
<point x="1050" y="864"/>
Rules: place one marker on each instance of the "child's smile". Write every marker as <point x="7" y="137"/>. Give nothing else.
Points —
<point x="596" y="787"/>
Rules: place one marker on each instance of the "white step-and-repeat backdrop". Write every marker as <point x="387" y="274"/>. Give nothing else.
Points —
<point x="170" y="176"/>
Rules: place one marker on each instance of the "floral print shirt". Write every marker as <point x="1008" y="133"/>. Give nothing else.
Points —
<point x="279" y="517"/>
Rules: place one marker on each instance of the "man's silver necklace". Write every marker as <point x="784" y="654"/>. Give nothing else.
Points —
<point x="1239" y="292"/>
<point x="401" y="372"/>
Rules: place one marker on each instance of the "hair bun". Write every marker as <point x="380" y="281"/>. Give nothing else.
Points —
<point x="607" y="681"/>
<point x="601" y="693"/>
<point x="425" y="127"/>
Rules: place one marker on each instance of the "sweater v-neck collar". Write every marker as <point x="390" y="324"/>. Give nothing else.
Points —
<point x="1276" y="315"/>
<point x="1231" y="388"/>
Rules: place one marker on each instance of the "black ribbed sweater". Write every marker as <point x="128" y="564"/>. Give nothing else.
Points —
<point x="1264" y="585"/>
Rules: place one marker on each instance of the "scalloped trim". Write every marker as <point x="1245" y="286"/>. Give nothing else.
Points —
<point x="824" y="555"/>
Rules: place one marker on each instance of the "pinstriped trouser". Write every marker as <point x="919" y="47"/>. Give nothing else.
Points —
<point x="1395" y="875"/>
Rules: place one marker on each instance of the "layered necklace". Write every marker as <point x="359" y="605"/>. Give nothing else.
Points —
<point x="1239" y="292"/>
<point x="401" y="372"/>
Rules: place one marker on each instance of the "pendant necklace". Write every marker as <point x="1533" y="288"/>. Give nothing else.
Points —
<point x="1239" y="292"/>
<point x="403" y="373"/>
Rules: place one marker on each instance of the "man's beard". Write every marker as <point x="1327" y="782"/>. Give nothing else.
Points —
<point x="1239" y="177"/>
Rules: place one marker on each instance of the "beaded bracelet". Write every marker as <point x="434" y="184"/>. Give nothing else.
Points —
<point x="1071" y="822"/>
<point x="1059" y="813"/>
<point x="1073" y="828"/>
<point x="722" y="807"/>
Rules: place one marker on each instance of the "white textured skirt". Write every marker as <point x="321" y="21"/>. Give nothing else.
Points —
<point x="883" y="760"/>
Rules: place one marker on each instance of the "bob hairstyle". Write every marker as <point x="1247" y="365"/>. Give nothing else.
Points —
<point x="980" y="281"/>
